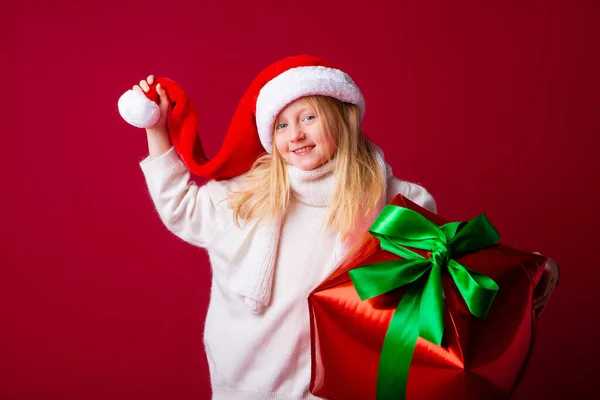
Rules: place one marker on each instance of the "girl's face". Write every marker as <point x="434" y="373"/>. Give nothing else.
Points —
<point x="299" y="136"/>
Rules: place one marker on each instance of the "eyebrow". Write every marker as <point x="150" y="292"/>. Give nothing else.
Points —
<point x="302" y="110"/>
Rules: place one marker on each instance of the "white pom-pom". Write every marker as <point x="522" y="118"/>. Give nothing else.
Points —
<point x="137" y="109"/>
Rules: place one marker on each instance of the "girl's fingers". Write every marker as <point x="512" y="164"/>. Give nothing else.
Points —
<point x="539" y="311"/>
<point x="543" y="299"/>
<point x="540" y="308"/>
<point x="164" y="97"/>
<point x="540" y="302"/>
<point x="542" y="289"/>
<point x="144" y="85"/>
<point x="541" y="296"/>
<point x="540" y="299"/>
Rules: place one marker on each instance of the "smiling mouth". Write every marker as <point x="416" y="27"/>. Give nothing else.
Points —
<point x="303" y="150"/>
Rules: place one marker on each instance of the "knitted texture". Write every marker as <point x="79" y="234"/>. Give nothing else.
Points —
<point x="313" y="187"/>
<point x="254" y="280"/>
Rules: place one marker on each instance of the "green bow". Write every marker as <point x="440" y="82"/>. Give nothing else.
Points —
<point x="420" y="312"/>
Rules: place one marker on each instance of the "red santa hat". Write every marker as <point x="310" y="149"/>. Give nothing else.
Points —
<point x="250" y="131"/>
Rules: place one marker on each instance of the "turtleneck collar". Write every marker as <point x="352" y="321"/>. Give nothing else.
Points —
<point x="252" y="267"/>
<point x="313" y="187"/>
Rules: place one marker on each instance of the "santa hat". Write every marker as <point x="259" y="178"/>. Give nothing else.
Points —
<point x="250" y="131"/>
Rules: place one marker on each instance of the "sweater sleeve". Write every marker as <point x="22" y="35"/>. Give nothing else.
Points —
<point x="411" y="191"/>
<point x="187" y="210"/>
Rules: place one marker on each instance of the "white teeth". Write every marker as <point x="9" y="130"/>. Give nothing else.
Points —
<point x="303" y="150"/>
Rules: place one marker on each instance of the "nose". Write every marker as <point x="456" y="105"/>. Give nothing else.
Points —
<point x="297" y="133"/>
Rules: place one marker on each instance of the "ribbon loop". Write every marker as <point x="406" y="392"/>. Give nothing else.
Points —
<point x="420" y="311"/>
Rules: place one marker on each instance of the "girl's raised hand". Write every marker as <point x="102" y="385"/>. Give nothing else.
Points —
<point x="160" y="125"/>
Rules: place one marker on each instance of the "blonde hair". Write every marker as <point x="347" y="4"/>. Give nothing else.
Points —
<point x="265" y="192"/>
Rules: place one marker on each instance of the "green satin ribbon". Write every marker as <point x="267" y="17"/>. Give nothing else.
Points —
<point x="420" y="312"/>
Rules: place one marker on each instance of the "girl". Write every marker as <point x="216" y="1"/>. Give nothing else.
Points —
<point x="276" y="231"/>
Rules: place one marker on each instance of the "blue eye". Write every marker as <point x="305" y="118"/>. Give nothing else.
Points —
<point x="309" y="117"/>
<point x="281" y="126"/>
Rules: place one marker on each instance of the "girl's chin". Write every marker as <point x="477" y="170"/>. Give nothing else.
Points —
<point x="308" y="166"/>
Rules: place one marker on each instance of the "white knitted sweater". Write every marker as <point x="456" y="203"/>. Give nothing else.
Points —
<point x="265" y="355"/>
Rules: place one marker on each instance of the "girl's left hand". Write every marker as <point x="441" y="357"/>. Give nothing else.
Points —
<point x="545" y="286"/>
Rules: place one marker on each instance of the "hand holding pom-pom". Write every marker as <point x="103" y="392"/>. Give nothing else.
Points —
<point x="138" y="110"/>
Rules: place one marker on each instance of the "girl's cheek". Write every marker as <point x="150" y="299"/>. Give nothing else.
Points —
<point x="280" y="145"/>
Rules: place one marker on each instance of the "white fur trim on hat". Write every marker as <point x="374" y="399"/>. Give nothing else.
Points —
<point x="299" y="82"/>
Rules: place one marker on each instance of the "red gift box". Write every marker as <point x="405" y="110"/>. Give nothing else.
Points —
<point x="478" y="358"/>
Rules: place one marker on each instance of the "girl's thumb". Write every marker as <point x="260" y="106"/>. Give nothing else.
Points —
<point x="164" y="97"/>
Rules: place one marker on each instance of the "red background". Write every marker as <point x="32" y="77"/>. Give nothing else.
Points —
<point x="492" y="106"/>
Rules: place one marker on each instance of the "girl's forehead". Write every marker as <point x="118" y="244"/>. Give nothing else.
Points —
<point x="296" y="106"/>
